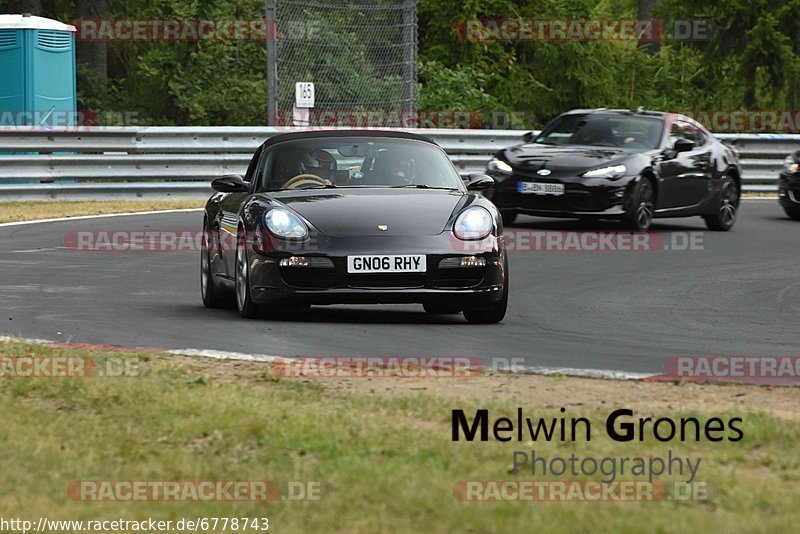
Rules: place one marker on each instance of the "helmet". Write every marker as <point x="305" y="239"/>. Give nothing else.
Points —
<point x="320" y="163"/>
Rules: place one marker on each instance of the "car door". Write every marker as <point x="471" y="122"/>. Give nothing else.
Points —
<point x="684" y="175"/>
<point x="230" y="206"/>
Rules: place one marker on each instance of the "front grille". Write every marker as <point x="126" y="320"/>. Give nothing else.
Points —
<point x="454" y="278"/>
<point x="302" y="277"/>
<point x="435" y="278"/>
<point x="583" y="201"/>
<point x="575" y="198"/>
<point x="386" y="280"/>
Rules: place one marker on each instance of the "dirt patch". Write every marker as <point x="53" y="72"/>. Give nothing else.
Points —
<point x="537" y="390"/>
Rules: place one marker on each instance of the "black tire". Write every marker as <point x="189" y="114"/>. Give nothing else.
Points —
<point x="727" y="208"/>
<point x="792" y="212"/>
<point x="438" y="308"/>
<point x="641" y="207"/>
<point x="509" y="216"/>
<point x="213" y="296"/>
<point x="494" y="313"/>
<point x="244" y="301"/>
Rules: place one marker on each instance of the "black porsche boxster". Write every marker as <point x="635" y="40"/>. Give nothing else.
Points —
<point x="330" y="217"/>
<point x="631" y="165"/>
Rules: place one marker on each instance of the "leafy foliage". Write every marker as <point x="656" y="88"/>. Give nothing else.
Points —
<point x="751" y="61"/>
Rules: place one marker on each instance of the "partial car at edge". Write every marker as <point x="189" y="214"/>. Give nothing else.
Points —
<point x="789" y="185"/>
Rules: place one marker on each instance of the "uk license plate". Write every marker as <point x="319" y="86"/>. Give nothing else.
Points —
<point x="413" y="263"/>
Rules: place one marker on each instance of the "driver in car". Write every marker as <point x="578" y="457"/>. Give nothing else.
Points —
<point x="317" y="167"/>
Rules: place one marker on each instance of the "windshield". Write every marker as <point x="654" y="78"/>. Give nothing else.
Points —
<point x="603" y="129"/>
<point x="356" y="162"/>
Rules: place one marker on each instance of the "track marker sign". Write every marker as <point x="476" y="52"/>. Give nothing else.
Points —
<point x="304" y="95"/>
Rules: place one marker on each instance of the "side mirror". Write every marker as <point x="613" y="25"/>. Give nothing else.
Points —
<point x="478" y="182"/>
<point x="527" y="137"/>
<point x="230" y="183"/>
<point x="683" y="145"/>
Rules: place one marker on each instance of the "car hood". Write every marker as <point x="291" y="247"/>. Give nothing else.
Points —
<point x="358" y="212"/>
<point x="562" y="159"/>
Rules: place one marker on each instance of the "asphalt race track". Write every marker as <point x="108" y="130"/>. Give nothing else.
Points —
<point x="622" y="311"/>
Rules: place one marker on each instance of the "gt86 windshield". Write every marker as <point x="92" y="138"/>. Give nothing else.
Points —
<point x="604" y="130"/>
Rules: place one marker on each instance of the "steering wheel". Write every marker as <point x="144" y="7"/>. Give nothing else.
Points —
<point x="297" y="182"/>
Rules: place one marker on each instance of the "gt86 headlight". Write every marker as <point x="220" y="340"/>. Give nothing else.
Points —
<point x="285" y="224"/>
<point x="612" y="173"/>
<point x="473" y="223"/>
<point x="498" y="165"/>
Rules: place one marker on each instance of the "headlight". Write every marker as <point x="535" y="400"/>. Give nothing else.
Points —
<point x="473" y="223"/>
<point x="615" y="171"/>
<point x="498" y="165"/>
<point x="285" y="224"/>
<point x="790" y="165"/>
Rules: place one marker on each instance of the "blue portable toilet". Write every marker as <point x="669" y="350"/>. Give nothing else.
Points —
<point x="37" y="72"/>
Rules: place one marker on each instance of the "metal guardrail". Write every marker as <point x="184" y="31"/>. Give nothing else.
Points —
<point x="181" y="161"/>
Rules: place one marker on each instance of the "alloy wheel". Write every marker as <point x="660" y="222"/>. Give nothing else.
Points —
<point x="728" y="203"/>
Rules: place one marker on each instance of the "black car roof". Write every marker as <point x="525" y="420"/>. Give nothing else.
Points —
<point x="644" y="112"/>
<point x="641" y="112"/>
<point x="316" y="134"/>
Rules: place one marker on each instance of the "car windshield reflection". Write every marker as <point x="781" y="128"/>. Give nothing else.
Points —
<point x="356" y="162"/>
<point x="604" y="130"/>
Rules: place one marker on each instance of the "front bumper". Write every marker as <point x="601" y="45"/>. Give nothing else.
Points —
<point x="471" y="287"/>
<point x="582" y="197"/>
<point x="789" y="189"/>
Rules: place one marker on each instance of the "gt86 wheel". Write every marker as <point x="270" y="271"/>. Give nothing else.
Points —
<point x="727" y="207"/>
<point x="641" y="206"/>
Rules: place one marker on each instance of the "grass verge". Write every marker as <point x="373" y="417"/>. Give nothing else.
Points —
<point x="33" y="210"/>
<point x="383" y="454"/>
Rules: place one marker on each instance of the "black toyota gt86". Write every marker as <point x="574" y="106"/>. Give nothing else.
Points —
<point x="619" y="164"/>
<point x="327" y="217"/>
<point x="789" y="185"/>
